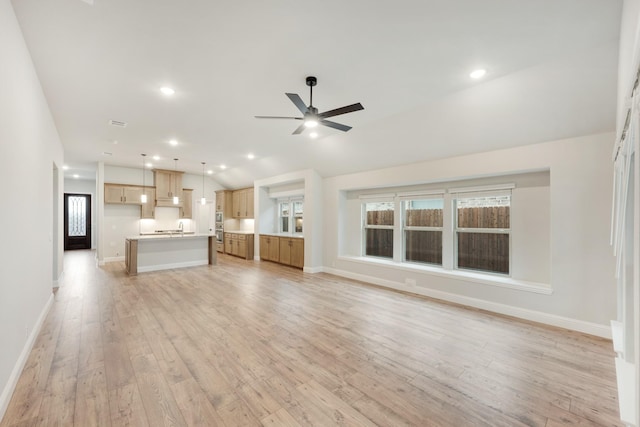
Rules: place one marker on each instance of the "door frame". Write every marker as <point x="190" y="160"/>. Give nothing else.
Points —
<point x="87" y="238"/>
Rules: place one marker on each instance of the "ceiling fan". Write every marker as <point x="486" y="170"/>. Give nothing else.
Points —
<point x="311" y="118"/>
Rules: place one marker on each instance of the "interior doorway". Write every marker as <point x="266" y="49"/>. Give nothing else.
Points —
<point x="77" y="221"/>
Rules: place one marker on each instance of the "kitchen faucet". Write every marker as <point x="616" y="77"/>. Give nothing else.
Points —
<point x="181" y="227"/>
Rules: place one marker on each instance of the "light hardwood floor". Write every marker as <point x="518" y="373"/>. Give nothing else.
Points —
<point x="250" y="343"/>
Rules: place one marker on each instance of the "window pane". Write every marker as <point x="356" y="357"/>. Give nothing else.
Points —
<point x="297" y="208"/>
<point x="484" y="212"/>
<point x="484" y="251"/>
<point x="423" y="213"/>
<point x="379" y="242"/>
<point x="284" y="209"/>
<point x="284" y="224"/>
<point x="423" y="246"/>
<point x="298" y="224"/>
<point x="76" y="206"/>
<point x="380" y="213"/>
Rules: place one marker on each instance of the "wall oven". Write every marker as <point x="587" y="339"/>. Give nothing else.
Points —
<point x="219" y="234"/>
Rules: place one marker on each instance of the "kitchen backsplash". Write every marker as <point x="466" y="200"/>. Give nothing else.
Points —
<point x="165" y="219"/>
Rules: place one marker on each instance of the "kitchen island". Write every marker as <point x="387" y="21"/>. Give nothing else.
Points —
<point x="166" y="251"/>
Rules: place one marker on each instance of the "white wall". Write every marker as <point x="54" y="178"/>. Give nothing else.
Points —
<point x="581" y="267"/>
<point x="29" y="150"/>
<point x="85" y="186"/>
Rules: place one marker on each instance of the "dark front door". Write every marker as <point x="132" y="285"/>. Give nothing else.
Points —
<point x="77" y="221"/>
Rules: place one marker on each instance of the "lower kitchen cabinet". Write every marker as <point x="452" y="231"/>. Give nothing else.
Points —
<point x="240" y="245"/>
<point x="283" y="250"/>
<point x="269" y="248"/>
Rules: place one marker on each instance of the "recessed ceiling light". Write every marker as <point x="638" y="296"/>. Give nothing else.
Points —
<point x="477" y="74"/>
<point x="313" y="135"/>
<point x="65" y="167"/>
<point x="156" y="158"/>
<point x="173" y="142"/>
<point x="167" y="90"/>
<point x="223" y="167"/>
<point x="76" y="176"/>
<point x="250" y="156"/>
<point x="210" y="172"/>
<point x="149" y="165"/>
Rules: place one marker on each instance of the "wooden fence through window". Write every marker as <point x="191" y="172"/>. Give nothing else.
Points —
<point x="477" y="251"/>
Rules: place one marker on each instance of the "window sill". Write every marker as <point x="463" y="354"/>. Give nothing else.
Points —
<point x="484" y="279"/>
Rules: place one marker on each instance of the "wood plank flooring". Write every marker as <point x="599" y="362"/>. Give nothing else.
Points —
<point x="247" y="343"/>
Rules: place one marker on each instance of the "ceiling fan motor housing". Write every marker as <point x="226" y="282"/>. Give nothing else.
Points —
<point x="312" y="81"/>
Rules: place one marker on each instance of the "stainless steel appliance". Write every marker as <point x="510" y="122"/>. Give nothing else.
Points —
<point x="219" y="227"/>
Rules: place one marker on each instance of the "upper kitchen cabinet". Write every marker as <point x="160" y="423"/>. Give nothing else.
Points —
<point x="168" y="185"/>
<point x="147" y="210"/>
<point x="186" y="210"/>
<point x="122" y="194"/>
<point x="224" y="203"/>
<point x="242" y="201"/>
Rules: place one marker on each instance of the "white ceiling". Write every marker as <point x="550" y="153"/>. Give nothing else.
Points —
<point x="552" y="69"/>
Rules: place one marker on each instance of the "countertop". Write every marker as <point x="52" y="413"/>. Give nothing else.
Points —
<point x="289" y="235"/>
<point x="170" y="236"/>
<point x="238" y="232"/>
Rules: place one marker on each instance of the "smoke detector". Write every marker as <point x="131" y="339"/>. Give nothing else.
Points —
<point x="118" y="123"/>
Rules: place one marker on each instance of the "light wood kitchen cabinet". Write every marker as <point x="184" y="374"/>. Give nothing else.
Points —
<point x="242" y="201"/>
<point x="168" y="184"/>
<point x="224" y="203"/>
<point x="240" y="245"/>
<point x="292" y="251"/>
<point x="269" y="248"/>
<point x="122" y="194"/>
<point x="186" y="210"/>
<point x="148" y="210"/>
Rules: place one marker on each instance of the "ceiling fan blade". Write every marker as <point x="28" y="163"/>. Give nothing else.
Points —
<point x="299" y="130"/>
<point x="334" y="125"/>
<point x="295" y="98"/>
<point x="277" y="117"/>
<point x="342" y="110"/>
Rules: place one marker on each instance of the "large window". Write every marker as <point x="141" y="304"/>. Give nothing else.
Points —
<point x="483" y="233"/>
<point x="378" y="229"/>
<point x="290" y="215"/>
<point x="423" y="230"/>
<point x="460" y="228"/>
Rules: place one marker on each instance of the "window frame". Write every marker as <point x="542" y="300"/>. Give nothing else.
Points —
<point x="403" y="227"/>
<point x="456" y="230"/>
<point x="365" y="226"/>
<point x="292" y="216"/>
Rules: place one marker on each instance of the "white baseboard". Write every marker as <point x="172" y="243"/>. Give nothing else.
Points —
<point x="590" y="328"/>
<point x="112" y="259"/>
<point x="56" y="283"/>
<point x="313" y="269"/>
<point x="10" y="387"/>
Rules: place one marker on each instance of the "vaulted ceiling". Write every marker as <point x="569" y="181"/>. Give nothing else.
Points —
<point x="551" y="74"/>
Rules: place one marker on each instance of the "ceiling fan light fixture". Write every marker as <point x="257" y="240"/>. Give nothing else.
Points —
<point x="311" y="123"/>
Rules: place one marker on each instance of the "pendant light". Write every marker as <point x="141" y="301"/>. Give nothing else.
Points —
<point x="143" y="196"/>
<point x="203" y="201"/>
<point x="176" y="200"/>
